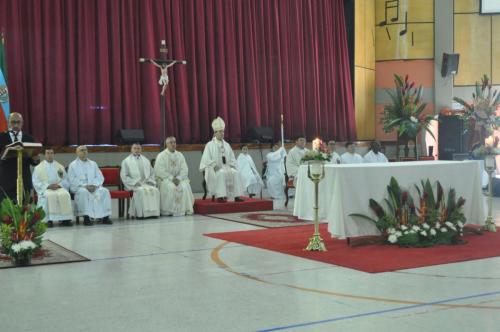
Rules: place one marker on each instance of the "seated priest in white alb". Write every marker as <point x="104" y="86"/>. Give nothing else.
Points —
<point x="334" y="156"/>
<point x="220" y="167"/>
<point x="171" y="172"/>
<point x="374" y="155"/>
<point x="248" y="172"/>
<point x="294" y="157"/>
<point x="92" y="200"/>
<point x="350" y="157"/>
<point x="275" y="172"/>
<point x="51" y="185"/>
<point x="137" y="175"/>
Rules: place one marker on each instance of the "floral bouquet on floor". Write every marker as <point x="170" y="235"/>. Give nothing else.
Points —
<point x="21" y="230"/>
<point x="438" y="219"/>
<point x="319" y="152"/>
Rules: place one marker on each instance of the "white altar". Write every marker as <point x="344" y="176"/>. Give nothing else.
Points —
<point x="346" y="189"/>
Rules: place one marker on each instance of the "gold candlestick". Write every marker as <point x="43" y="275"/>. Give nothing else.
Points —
<point x="20" y="185"/>
<point x="316" y="175"/>
<point x="489" y="165"/>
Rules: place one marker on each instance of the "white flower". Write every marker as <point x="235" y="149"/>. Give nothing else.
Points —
<point x="436" y="117"/>
<point x="444" y="230"/>
<point x="405" y="232"/>
<point x="423" y="233"/>
<point x="398" y="233"/>
<point x="416" y="228"/>
<point x="391" y="230"/>
<point x="392" y="238"/>
<point x="460" y="224"/>
<point x="449" y="224"/>
<point x="433" y="231"/>
<point x="438" y="225"/>
<point x="413" y="119"/>
<point x="22" y="246"/>
<point x="424" y="225"/>
<point x="404" y="228"/>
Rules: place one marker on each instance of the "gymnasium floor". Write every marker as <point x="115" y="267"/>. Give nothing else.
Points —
<point x="164" y="275"/>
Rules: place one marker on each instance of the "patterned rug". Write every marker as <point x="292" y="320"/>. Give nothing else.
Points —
<point x="267" y="219"/>
<point x="50" y="253"/>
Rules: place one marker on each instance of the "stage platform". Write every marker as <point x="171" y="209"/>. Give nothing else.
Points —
<point x="208" y="206"/>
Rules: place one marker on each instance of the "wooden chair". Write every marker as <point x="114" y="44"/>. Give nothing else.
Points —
<point x="112" y="179"/>
<point x="288" y="184"/>
<point x="426" y="158"/>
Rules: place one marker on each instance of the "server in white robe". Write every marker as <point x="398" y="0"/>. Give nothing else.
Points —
<point x="252" y="182"/>
<point x="334" y="156"/>
<point x="294" y="157"/>
<point x="92" y="200"/>
<point x="275" y="172"/>
<point x="350" y="157"/>
<point x="171" y="172"/>
<point x="374" y="155"/>
<point x="137" y="175"/>
<point x="51" y="184"/>
<point x="220" y="167"/>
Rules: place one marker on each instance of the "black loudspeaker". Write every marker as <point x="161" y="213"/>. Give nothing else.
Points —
<point x="130" y="136"/>
<point x="260" y="134"/>
<point x="450" y="64"/>
<point x="451" y="137"/>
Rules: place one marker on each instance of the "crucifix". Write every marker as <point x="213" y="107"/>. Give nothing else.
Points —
<point x="163" y="64"/>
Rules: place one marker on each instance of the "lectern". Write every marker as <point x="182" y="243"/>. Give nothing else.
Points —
<point x="19" y="150"/>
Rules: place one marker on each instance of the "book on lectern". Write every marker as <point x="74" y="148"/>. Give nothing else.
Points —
<point x="29" y="149"/>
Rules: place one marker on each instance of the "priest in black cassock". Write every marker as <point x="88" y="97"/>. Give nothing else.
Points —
<point x="8" y="167"/>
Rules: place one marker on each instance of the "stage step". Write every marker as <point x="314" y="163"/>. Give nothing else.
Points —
<point x="249" y="205"/>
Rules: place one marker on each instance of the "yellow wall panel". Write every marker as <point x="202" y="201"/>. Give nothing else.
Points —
<point x="472" y="40"/>
<point x="495" y="70"/>
<point x="364" y="37"/>
<point x="364" y="102"/>
<point x="418" y="11"/>
<point x="416" y="43"/>
<point x="404" y="29"/>
<point x="466" y="6"/>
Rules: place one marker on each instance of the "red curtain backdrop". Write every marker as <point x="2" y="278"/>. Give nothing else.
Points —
<point x="75" y="76"/>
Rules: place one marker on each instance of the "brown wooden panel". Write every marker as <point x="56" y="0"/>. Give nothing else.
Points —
<point x="418" y="11"/>
<point x="364" y="37"/>
<point x="472" y="40"/>
<point x="466" y="6"/>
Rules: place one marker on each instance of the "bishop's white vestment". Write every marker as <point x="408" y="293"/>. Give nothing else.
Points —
<point x="96" y="204"/>
<point x="250" y="177"/>
<point x="335" y="158"/>
<point x="275" y="173"/>
<point x="220" y="167"/>
<point x="137" y="175"/>
<point x="175" y="200"/>
<point x="56" y="203"/>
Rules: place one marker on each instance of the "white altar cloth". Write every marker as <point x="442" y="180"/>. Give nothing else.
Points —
<point x="346" y="189"/>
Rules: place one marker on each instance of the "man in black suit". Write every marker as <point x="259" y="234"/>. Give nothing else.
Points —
<point x="8" y="167"/>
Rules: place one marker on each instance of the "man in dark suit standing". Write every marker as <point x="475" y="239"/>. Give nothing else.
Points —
<point x="8" y="167"/>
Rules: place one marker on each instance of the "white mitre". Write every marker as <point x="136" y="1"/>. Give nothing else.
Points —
<point x="218" y="124"/>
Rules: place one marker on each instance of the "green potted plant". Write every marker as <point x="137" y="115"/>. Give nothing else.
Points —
<point x="404" y="113"/>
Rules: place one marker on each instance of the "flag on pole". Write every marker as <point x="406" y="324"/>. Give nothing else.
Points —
<point x="4" y="92"/>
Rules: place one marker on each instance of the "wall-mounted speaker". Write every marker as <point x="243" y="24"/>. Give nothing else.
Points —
<point x="260" y="134"/>
<point x="130" y="136"/>
<point x="450" y="64"/>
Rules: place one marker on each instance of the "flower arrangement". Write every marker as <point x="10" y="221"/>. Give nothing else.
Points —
<point x="319" y="152"/>
<point x="405" y="111"/>
<point x="482" y="151"/>
<point x="21" y="230"/>
<point x="481" y="113"/>
<point x="437" y="220"/>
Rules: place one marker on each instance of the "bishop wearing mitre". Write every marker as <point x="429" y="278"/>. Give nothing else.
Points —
<point x="220" y="167"/>
<point x="171" y="172"/>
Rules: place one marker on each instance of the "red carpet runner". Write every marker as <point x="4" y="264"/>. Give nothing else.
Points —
<point x="372" y="258"/>
<point x="249" y="205"/>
